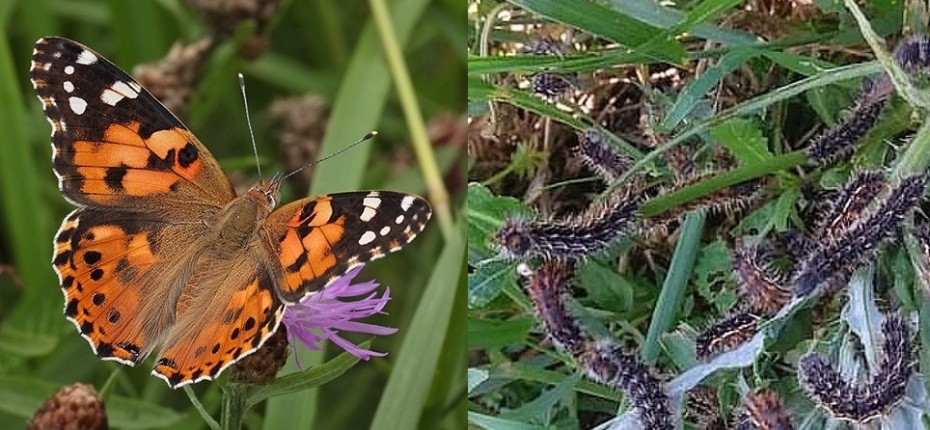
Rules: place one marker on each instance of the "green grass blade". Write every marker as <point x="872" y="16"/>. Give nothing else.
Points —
<point x="29" y="227"/>
<point x="676" y="282"/>
<point x="407" y="389"/>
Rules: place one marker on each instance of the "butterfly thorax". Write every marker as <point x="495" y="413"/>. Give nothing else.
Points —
<point x="242" y="218"/>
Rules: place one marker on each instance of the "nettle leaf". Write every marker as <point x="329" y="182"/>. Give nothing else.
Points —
<point x="488" y="280"/>
<point x="743" y="138"/>
<point x="713" y="266"/>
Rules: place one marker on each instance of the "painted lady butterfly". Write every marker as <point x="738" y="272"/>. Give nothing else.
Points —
<point x="161" y="250"/>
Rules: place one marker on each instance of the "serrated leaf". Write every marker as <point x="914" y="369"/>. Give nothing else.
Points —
<point x="745" y="141"/>
<point x="606" y="287"/>
<point x="543" y="408"/>
<point x="487" y="281"/>
<point x="713" y="265"/>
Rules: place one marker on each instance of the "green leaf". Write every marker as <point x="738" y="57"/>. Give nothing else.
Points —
<point x="607" y="288"/>
<point x="745" y="141"/>
<point x="537" y="63"/>
<point x="486" y="214"/>
<point x="487" y="281"/>
<point x="490" y="334"/>
<point x="413" y="372"/>
<point x="705" y="11"/>
<point x="607" y="23"/>
<point x="139" y="414"/>
<point x="655" y="13"/>
<point x="494" y="423"/>
<point x="543" y="408"/>
<point x="26" y="344"/>
<point x="22" y="395"/>
<point x="299" y="381"/>
<point x="697" y="90"/>
<point x="667" y="307"/>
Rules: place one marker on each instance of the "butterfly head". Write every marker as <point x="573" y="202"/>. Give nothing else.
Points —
<point x="268" y="191"/>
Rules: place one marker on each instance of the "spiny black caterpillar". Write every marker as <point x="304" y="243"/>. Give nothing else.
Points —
<point x="862" y="401"/>
<point x="603" y="362"/>
<point x="834" y="259"/>
<point x="763" y="410"/>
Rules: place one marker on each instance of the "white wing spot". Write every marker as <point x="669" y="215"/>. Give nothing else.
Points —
<point x="110" y="97"/>
<point x="125" y="89"/>
<point x="399" y="219"/>
<point x="406" y="203"/>
<point x="56" y="54"/>
<point x="371" y="203"/>
<point x="385" y="230"/>
<point x="86" y="57"/>
<point x="77" y="105"/>
<point x="368" y="214"/>
<point x="117" y="92"/>
<point x="69" y="70"/>
<point x="69" y="87"/>
<point x="47" y="66"/>
<point x="367" y="238"/>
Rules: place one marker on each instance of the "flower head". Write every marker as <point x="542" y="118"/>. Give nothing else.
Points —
<point x="321" y="316"/>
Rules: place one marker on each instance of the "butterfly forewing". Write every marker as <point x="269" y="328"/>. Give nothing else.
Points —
<point x="319" y="239"/>
<point x="113" y="142"/>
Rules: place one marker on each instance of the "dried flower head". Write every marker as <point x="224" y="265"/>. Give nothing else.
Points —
<point x="77" y="407"/>
<point x="172" y="79"/>
<point x="262" y="365"/>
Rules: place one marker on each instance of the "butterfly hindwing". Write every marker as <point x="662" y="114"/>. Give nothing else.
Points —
<point x="114" y="144"/>
<point x="111" y="264"/>
<point x="230" y="311"/>
<point x="321" y="238"/>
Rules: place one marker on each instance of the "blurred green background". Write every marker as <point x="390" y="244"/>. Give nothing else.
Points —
<point x="331" y="49"/>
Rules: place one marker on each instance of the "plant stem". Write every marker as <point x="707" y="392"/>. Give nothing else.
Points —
<point x="233" y="406"/>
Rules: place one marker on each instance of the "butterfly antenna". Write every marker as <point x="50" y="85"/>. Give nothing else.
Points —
<point x="248" y="120"/>
<point x="364" y="138"/>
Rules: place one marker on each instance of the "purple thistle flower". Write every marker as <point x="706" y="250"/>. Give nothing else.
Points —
<point x="322" y="316"/>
